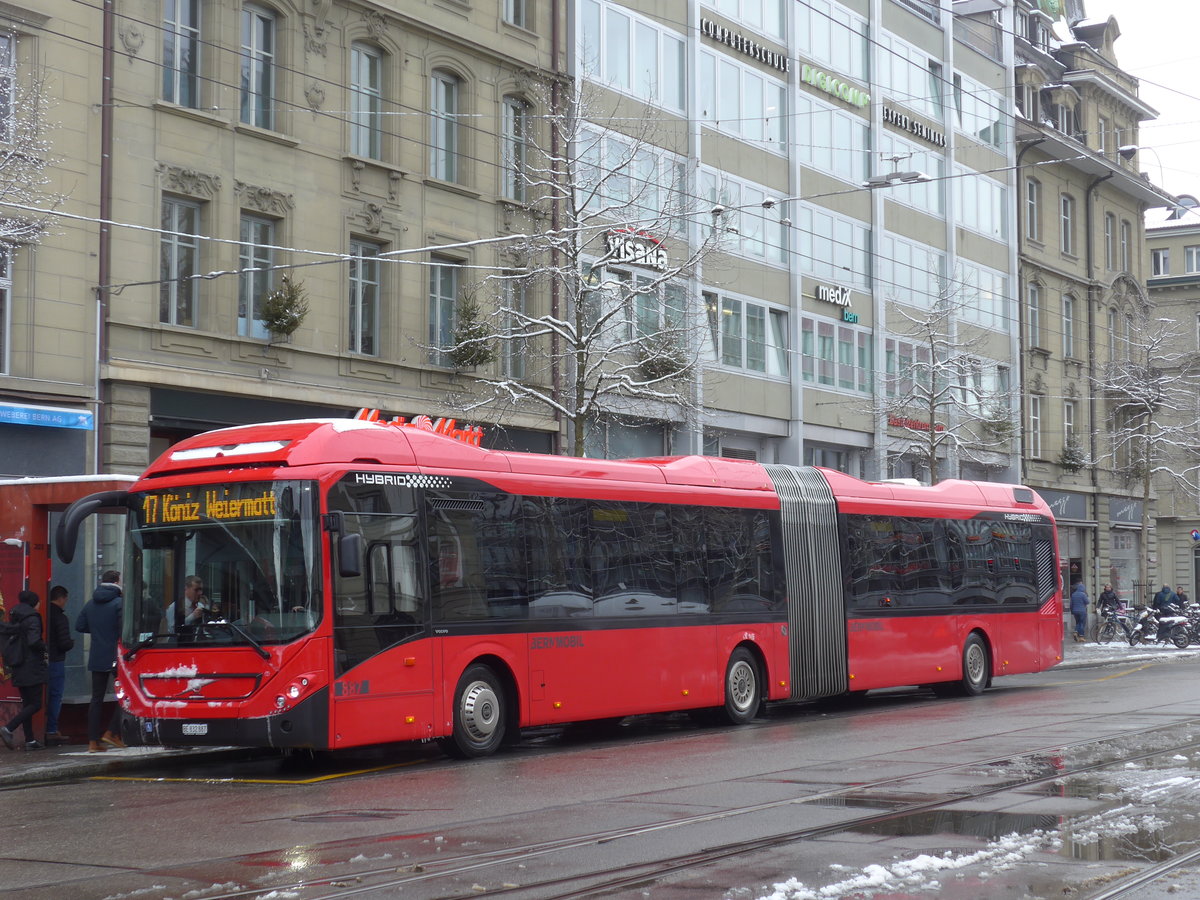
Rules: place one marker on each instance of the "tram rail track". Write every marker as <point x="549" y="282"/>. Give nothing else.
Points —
<point x="446" y="873"/>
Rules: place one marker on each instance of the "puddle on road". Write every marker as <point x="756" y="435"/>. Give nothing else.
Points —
<point x="1143" y="811"/>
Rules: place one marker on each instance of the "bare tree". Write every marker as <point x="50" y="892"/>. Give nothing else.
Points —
<point x="942" y="392"/>
<point x="594" y="315"/>
<point x="27" y="201"/>
<point x="1152" y="391"/>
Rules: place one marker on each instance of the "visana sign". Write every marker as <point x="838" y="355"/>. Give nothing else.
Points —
<point x="636" y="248"/>
<point x="831" y="84"/>
<point x="745" y="45"/>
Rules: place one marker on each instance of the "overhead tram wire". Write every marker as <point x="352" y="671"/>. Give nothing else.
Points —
<point x="339" y="257"/>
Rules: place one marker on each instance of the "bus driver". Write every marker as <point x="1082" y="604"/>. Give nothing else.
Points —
<point x="195" y="604"/>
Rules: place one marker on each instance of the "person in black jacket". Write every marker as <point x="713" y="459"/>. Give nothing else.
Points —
<point x="59" y="639"/>
<point x="101" y="618"/>
<point x="30" y="673"/>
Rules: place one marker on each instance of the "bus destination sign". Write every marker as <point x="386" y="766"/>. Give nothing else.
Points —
<point x="186" y="505"/>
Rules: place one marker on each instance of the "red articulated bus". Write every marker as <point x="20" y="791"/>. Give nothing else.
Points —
<point x="364" y="582"/>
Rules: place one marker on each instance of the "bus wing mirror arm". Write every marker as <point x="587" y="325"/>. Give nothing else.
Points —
<point x="67" y="532"/>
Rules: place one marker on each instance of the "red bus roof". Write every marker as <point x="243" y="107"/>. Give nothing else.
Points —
<point x="355" y="442"/>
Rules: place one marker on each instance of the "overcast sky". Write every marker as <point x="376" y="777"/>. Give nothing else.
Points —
<point x="1160" y="45"/>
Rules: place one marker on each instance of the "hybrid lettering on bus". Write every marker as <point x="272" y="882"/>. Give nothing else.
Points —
<point x="371" y="583"/>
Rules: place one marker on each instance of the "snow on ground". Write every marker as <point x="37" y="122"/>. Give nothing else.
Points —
<point x="1139" y="783"/>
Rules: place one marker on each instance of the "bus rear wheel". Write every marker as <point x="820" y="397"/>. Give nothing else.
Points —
<point x="975" y="671"/>
<point x="480" y="717"/>
<point x="743" y="687"/>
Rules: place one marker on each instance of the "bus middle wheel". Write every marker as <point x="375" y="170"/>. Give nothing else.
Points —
<point x="743" y="687"/>
<point x="480" y="717"/>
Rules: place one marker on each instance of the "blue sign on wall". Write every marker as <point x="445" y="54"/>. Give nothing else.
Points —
<point x="47" y="416"/>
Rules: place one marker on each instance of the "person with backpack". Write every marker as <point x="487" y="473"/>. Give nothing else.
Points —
<point x="25" y="657"/>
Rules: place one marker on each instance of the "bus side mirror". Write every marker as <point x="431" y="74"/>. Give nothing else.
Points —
<point x="350" y="551"/>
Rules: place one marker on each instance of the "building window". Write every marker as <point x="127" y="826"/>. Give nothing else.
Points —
<point x="1110" y="240"/>
<point x="364" y="298"/>
<point x="366" y="101"/>
<point x="5" y="307"/>
<point x="179" y="249"/>
<point x="1160" y="261"/>
<point x="256" y="276"/>
<point x="1068" y="422"/>
<point x="1067" y="223"/>
<point x="181" y="52"/>
<point x="747" y="335"/>
<point x="516" y="12"/>
<point x="1033" y="293"/>
<point x="1126" y="246"/>
<point x="1191" y="259"/>
<point x="258" y="67"/>
<point x="1033" y="209"/>
<point x="1034" y="432"/>
<point x="1064" y="118"/>
<point x="515" y="150"/>
<point x="1102" y="136"/>
<point x="8" y="86"/>
<point x="632" y="54"/>
<point x="1112" y="333"/>
<point x="514" y="351"/>
<point x="1068" y="326"/>
<point x="444" y="113"/>
<point x="444" y="281"/>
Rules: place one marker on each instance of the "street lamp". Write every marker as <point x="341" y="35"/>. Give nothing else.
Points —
<point x="914" y="177"/>
<point x="1128" y="151"/>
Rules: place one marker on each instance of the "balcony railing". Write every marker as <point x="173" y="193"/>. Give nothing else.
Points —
<point x="926" y="9"/>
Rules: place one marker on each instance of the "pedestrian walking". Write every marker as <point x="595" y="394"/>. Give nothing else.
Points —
<point x="1079" y="609"/>
<point x="101" y="618"/>
<point x="25" y="657"/>
<point x="59" y="641"/>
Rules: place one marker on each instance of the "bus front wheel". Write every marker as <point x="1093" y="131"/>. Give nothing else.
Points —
<point x="479" y="715"/>
<point x="743" y="687"/>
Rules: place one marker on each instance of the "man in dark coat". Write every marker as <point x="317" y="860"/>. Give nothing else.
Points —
<point x="30" y="672"/>
<point x="58" y="637"/>
<point x="101" y="618"/>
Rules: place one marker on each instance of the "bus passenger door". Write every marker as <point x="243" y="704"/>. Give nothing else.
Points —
<point x="383" y="661"/>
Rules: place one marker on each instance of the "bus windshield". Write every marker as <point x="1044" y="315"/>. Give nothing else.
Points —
<point x="222" y="564"/>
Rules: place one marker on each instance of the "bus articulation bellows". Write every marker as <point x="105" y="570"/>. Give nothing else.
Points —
<point x="368" y="583"/>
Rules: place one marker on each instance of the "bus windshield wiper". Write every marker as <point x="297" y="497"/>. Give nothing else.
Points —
<point x="234" y="629"/>
<point x="145" y="642"/>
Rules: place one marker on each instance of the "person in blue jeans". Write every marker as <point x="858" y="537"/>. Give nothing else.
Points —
<point x="59" y="641"/>
<point x="1079" y="609"/>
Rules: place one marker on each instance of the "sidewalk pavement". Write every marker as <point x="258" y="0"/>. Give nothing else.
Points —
<point x="55" y="764"/>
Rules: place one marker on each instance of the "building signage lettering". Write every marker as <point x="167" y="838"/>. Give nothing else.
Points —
<point x="636" y="248"/>
<point x="1127" y="512"/>
<point x="46" y="416"/>
<point x="742" y="44"/>
<point x="912" y="424"/>
<point x="833" y="294"/>
<point x="1066" y="504"/>
<point x="468" y="434"/>
<point x="831" y="84"/>
<point x="913" y="127"/>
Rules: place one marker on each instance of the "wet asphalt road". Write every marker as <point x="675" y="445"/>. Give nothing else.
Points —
<point x="1072" y="781"/>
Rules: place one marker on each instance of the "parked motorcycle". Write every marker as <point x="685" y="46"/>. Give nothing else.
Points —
<point x="1151" y="627"/>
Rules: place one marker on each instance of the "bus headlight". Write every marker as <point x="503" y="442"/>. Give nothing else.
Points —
<point x="118" y="691"/>
<point x="280" y="702"/>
